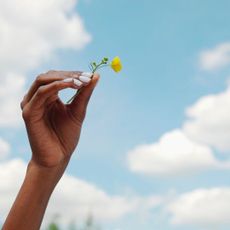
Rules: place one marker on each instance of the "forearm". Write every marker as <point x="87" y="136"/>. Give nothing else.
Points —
<point x="53" y="129"/>
<point x="29" y="207"/>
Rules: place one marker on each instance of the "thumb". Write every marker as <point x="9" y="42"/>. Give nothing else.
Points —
<point x="78" y="106"/>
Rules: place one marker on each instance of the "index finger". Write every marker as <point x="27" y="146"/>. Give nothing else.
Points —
<point x="47" y="78"/>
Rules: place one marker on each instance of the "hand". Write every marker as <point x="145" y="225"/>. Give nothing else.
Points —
<point x="53" y="127"/>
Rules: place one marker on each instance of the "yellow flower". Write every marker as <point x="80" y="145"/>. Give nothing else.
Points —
<point x="116" y="64"/>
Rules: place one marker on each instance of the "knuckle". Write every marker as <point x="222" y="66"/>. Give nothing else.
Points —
<point x="56" y="85"/>
<point x="25" y="114"/>
<point x="22" y="104"/>
<point x="41" y="91"/>
<point x="51" y="71"/>
<point x="40" y="78"/>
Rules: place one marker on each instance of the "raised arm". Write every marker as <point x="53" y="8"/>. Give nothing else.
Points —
<point x="53" y="130"/>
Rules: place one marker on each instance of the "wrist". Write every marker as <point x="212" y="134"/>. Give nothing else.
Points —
<point x="46" y="175"/>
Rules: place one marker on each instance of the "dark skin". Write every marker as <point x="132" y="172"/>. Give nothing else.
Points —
<point x="53" y="130"/>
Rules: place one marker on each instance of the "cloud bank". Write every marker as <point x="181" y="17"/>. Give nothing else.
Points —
<point x="73" y="199"/>
<point x="173" y="155"/>
<point x="202" y="207"/>
<point x="209" y="120"/>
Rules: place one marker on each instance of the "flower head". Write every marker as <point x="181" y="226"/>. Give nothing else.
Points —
<point x="116" y="64"/>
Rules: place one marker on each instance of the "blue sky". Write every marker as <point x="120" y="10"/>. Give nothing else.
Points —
<point x="160" y="44"/>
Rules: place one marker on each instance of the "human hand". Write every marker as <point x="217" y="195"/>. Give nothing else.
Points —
<point x="53" y="127"/>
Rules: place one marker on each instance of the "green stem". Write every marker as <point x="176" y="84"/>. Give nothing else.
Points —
<point x="102" y="64"/>
<point x="71" y="99"/>
<point x="98" y="66"/>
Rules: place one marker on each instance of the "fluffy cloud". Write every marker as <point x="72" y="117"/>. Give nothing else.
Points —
<point x="11" y="93"/>
<point x="4" y="148"/>
<point x="209" y="120"/>
<point x="31" y="30"/>
<point x="216" y="58"/>
<point x="174" y="154"/>
<point x="30" y="33"/>
<point x="204" y="207"/>
<point x="11" y="176"/>
<point x="73" y="198"/>
<point x="187" y="150"/>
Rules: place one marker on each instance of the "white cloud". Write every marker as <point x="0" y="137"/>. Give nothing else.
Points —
<point x="209" y="120"/>
<point x="4" y="148"/>
<point x="174" y="154"/>
<point x="31" y="30"/>
<point x="11" y="176"/>
<point x="73" y="198"/>
<point x="30" y="33"/>
<point x="204" y="207"/>
<point x="81" y="198"/>
<point x="189" y="149"/>
<point x="216" y="58"/>
<point x="11" y="93"/>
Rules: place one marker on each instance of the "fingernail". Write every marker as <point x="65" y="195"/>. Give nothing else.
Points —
<point x="87" y="74"/>
<point x="68" y="80"/>
<point x="84" y="79"/>
<point x="77" y="82"/>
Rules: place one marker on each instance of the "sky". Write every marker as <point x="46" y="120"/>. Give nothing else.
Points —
<point x="154" y="151"/>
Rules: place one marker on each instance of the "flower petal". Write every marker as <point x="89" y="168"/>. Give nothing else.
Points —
<point x="116" y="64"/>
